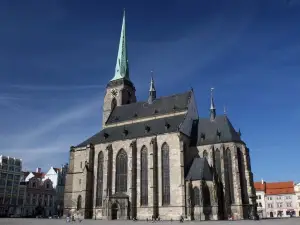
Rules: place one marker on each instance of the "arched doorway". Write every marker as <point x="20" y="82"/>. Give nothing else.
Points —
<point x="299" y="213"/>
<point x="114" y="211"/>
<point x="271" y="214"/>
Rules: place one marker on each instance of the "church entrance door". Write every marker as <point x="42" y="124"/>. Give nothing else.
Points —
<point x="114" y="211"/>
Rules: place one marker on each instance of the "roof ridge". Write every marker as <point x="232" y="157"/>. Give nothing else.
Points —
<point x="158" y="98"/>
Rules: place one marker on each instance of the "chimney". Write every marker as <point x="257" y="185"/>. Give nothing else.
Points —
<point x="38" y="170"/>
<point x="262" y="181"/>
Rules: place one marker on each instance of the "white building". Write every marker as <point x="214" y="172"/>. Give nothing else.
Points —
<point x="10" y="173"/>
<point x="297" y="193"/>
<point x="260" y="198"/>
<point x="276" y="199"/>
<point x="58" y="176"/>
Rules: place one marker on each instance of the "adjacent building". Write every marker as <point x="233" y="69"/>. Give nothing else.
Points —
<point x="159" y="159"/>
<point x="275" y="199"/>
<point x="297" y="193"/>
<point x="39" y="195"/>
<point x="58" y="176"/>
<point x="10" y="174"/>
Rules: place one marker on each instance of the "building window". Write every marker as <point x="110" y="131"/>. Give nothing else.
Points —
<point x="144" y="176"/>
<point x="270" y="205"/>
<point x="288" y="197"/>
<point x="258" y="197"/>
<point x="79" y="181"/>
<point x="259" y="204"/>
<point x="100" y="179"/>
<point x="165" y="174"/>
<point x="298" y="197"/>
<point x="288" y="204"/>
<point x="218" y="164"/>
<point x="196" y="193"/>
<point x="81" y="165"/>
<point x="79" y="202"/>
<point x="121" y="171"/>
<point x="229" y="175"/>
<point x="269" y="198"/>
<point x="279" y="204"/>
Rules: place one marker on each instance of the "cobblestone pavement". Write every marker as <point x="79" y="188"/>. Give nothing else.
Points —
<point x="4" y="221"/>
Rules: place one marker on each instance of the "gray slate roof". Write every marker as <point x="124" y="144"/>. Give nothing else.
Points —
<point x="136" y="130"/>
<point x="208" y="131"/>
<point x="160" y="106"/>
<point x="200" y="170"/>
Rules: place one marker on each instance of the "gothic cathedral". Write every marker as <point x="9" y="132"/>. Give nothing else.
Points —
<point x="157" y="159"/>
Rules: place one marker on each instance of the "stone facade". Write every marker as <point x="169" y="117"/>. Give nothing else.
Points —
<point x="140" y="165"/>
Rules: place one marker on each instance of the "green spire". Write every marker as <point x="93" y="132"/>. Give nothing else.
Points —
<point x="122" y="69"/>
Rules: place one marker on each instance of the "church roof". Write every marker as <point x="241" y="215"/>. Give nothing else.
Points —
<point x="219" y="130"/>
<point x="136" y="130"/>
<point x="160" y="106"/>
<point x="200" y="170"/>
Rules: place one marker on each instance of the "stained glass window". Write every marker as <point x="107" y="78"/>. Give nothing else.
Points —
<point x="121" y="171"/>
<point x="165" y="174"/>
<point x="144" y="176"/>
<point x="100" y="179"/>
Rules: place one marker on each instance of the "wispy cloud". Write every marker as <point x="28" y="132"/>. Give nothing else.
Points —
<point x="54" y="87"/>
<point x="41" y="145"/>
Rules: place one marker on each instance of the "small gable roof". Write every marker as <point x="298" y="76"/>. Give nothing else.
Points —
<point x="208" y="131"/>
<point x="200" y="170"/>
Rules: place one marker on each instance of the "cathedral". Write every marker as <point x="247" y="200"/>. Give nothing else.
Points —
<point x="158" y="159"/>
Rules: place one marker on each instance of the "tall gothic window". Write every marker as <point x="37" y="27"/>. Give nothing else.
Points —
<point x="205" y="154"/>
<point x="121" y="171"/>
<point x="79" y="202"/>
<point x="218" y="163"/>
<point x="230" y="175"/>
<point x="242" y="174"/>
<point x="165" y="174"/>
<point x="196" y="196"/>
<point x="100" y="179"/>
<point x="144" y="176"/>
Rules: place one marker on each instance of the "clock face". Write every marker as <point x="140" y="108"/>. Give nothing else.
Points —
<point x="114" y="92"/>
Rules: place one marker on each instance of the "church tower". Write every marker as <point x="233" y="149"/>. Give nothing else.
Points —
<point x="120" y="90"/>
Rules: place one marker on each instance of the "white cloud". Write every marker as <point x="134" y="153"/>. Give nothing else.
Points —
<point x="37" y="147"/>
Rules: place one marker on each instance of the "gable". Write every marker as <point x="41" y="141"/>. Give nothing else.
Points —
<point x="208" y="131"/>
<point x="199" y="170"/>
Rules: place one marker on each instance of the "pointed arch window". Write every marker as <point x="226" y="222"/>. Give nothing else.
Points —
<point x="165" y="174"/>
<point x="230" y="175"/>
<point x="79" y="198"/>
<point x="121" y="171"/>
<point x="144" y="176"/>
<point x="205" y="154"/>
<point x="100" y="179"/>
<point x="196" y="192"/>
<point x="218" y="163"/>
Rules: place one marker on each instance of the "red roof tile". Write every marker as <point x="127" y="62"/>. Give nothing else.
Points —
<point x="275" y="188"/>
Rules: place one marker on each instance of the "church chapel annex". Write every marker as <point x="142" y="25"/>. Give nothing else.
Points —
<point x="158" y="159"/>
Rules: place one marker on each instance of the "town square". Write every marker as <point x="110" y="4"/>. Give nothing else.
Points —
<point x="152" y="111"/>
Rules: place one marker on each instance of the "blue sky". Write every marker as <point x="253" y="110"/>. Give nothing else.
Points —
<point x="57" y="56"/>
